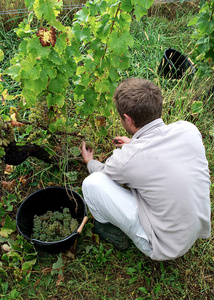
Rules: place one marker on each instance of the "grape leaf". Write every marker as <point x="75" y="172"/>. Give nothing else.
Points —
<point x="82" y="14"/>
<point x="47" y="9"/>
<point x="14" y="71"/>
<point x="120" y="42"/>
<point x="127" y="5"/>
<point x="29" y="4"/>
<point x="58" y="266"/>
<point x="27" y="265"/>
<point x="56" y="99"/>
<point x="58" y="84"/>
<point x="2" y="153"/>
<point x="61" y="44"/>
<point x="8" y="228"/>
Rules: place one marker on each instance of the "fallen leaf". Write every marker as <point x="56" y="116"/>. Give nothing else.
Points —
<point x="25" y="179"/>
<point x="61" y="279"/>
<point x="70" y="255"/>
<point x="6" y="247"/>
<point x="100" y="121"/>
<point x="9" y="169"/>
<point x="8" y="185"/>
<point x="16" y="123"/>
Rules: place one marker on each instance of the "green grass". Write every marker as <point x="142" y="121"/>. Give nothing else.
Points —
<point x="93" y="270"/>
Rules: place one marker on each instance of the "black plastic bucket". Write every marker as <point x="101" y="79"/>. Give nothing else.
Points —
<point x="54" y="199"/>
<point x="175" y="65"/>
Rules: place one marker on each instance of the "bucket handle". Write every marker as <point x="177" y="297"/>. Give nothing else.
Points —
<point x="85" y="219"/>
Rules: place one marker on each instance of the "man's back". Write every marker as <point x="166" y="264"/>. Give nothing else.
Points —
<point x="167" y="172"/>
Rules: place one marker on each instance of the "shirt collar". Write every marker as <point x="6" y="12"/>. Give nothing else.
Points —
<point x="150" y="126"/>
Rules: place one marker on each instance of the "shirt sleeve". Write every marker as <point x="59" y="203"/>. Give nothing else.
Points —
<point x="113" y="167"/>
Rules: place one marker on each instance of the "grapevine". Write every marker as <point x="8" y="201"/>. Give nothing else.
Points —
<point x="54" y="226"/>
<point x="87" y="58"/>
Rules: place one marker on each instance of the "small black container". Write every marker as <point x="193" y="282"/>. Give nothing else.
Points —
<point x="54" y="199"/>
<point x="175" y="65"/>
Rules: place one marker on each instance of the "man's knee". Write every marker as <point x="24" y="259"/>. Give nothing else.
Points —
<point x="93" y="180"/>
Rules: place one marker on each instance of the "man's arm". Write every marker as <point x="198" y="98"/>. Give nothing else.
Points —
<point x="112" y="166"/>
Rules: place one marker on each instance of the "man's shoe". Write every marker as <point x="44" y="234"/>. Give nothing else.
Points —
<point x="112" y="234"/>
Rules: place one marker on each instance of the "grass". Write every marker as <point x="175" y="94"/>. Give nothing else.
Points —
<point x="94" y="269"/>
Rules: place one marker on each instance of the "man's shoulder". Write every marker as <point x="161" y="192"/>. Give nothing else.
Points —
<point x="185" y="125"/>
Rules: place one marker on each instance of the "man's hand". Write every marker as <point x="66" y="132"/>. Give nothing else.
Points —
<point x="87" y="154"/>
<point x="119" y="141"/>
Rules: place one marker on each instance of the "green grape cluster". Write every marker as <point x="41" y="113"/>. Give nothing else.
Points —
<point x="34" y="136"/>
<point x="39" y="114"/>
<point x="7" y="133"/>
<point x="53" y="226"/>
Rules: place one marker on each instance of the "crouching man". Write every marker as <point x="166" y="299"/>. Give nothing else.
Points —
<point x="166" y="207"/>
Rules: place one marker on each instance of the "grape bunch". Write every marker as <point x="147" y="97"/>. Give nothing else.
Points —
<point x="7" y="133"/>
<point x="39" y="114"/>
<point x="54" y="226"/>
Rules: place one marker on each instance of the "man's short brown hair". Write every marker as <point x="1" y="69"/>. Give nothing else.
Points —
<point x="140" y="99"/>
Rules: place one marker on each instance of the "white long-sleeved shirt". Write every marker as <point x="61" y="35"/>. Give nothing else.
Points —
<point x="167" y="171"/>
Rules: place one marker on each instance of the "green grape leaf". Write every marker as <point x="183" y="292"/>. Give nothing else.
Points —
<point x="102" y="85"/>
<point x="1" y="55"/>
<point x="104" y="28"/>
<point x="82" y="15"/>
<point x="139" y="11"/>
<point x="144" y="4"/>
<point x="14" y="71"/>
<point x="47" y="9"/>
<point x="8" y="228"/>
<point x="2" y="152"/>
<point x="56" y="99"/>
<point x="29" y="4"/>
<point x="29" y="96"/>
<point x="27" y="69"/>
<point x="120" y="62"/>
<point x="197" y="107"/>
<point x="193" y="21"/>
<point x="78" y="91"/>
<point x="61" y="44"/>
<point x="35" y="48"/>
<point x="203" y="21"/>
<point x="57" y="266"/>
<point x="59" y="26"/>
<point x="27" y="265"/>
<point x="127" y="5"/>
<point x="120" y="42"/>
<point x="55" y="58"/>
<point x="210" y="27"/>
<point x="81" y="34"/>
<point x="49" y="72"/>
<point x="72" y="176"/>
<point x="58" y="84"/>
<point x="37" y="86"/>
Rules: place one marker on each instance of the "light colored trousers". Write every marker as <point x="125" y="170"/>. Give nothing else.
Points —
<point x="110" y="202"/>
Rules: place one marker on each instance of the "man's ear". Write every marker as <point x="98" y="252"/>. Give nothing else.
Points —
<point x="128" y="119"/>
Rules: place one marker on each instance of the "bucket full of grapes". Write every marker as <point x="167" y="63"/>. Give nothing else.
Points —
<point x="52" y="218"/>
